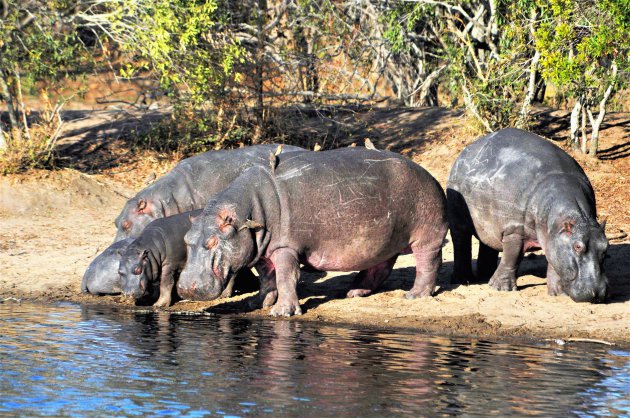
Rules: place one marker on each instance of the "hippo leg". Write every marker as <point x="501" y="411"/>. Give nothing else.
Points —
<point x="504" y="278"/>
<point x="227" y="292"/>
<point x="486" y="262"/>
<point x="462" y="249"/>
<point x="268" y="293"/>
<point x="287" y="274"/>
<point x="553" y="282"/>
<point x="428" y="262"/>
<point x="368" y="280"/>
<point x="268" y="290"/>
<point x="167" y="280"/>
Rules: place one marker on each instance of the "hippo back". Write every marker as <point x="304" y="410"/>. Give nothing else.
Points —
<point x="189" y="185"/>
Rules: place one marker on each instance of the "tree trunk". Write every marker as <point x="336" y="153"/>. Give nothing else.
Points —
<point x="583" y="130"/>
<point x="531" y="92"/>
<point x="597" y="123"/>
<point x="575" y="124"/>
<point x="3" y="141"/>
<point x="541" y="88"/>
<point x="261" y="9"/>
<point x="20" y="99"/>
<point x="428" y="89"/>
<point x="8" y="98"/>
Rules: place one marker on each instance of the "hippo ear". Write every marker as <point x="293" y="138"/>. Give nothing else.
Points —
<point x="250" y="224"/>
<point x="137" y="269"/>
<point x="141" y="206"/>
<point x="226" y="224"/>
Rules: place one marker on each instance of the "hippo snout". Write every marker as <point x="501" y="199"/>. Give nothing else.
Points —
<point x="193" y="285"/>
<point x="595" y="294"/>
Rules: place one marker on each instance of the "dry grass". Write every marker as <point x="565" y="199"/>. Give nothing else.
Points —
<point x="34" y="146"/>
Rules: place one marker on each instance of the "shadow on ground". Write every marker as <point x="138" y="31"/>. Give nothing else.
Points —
<point x="93" y="141"/>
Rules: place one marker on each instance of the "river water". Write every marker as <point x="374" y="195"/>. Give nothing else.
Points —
<point x="67" y="359"/>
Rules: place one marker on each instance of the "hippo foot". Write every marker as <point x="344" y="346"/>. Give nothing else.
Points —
<point x="286" y="309"/>
<point x="162" y="303"/>
<point x="260" y="302"/>
<point x="270" y="299"/>
<point x="358" y="293"/>
<point x="555" y="290"/>
<point x="503" y="282"/>
<point x="419" y="292"/>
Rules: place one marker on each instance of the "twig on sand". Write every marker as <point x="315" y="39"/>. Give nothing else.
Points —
<point x="11" y="299"/>
<point x="560" y="341"/>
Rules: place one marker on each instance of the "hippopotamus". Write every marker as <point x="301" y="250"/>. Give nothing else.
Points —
<point x="189" y="185"/>
<point x="516" y="191"/>
<point x="101" y="277"/>
<point x="150" y="264"/>
<point x="345" y="210"/>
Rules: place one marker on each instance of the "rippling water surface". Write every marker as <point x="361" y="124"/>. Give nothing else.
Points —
<point x="72" y="360"/>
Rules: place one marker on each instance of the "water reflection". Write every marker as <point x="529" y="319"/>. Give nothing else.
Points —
<point x="87" y="360"/>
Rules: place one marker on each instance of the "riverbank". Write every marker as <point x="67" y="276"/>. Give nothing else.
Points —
<point x="52" y="224"/>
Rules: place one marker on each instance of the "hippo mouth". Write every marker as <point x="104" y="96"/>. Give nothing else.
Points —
<point x="198" y="286"/>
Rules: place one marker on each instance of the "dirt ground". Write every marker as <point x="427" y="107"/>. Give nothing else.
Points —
<point x="53" y="223"/>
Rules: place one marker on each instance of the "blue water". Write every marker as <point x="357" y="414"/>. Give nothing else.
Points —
<point x="67" y="359"/>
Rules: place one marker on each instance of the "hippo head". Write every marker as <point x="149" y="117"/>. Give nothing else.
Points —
<point x="576" y="251"/>
<point x="135" y="216"/>
<point x="135" y="270"/>
<point x="218" y="245"/>
<point x="101" y="277"/>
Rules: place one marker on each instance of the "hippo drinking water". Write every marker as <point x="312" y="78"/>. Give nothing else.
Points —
<point x="101" y="277"/>
<point x="189" y="185"/>
<point x="150" y="264"/>
<point x="516" y="191"/>
<point x="345" y="210"/>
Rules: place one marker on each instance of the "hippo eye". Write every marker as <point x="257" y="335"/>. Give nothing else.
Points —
<point x="126" y="224"/>
<point x="137" y="270"/>
<point x="578" y="247"/>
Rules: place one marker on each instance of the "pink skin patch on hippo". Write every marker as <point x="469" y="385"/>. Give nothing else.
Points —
<point x="531" y="245"/>
<point x="212" y="242"/>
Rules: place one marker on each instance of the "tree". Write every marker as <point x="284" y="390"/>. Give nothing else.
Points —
<point x="484" y="51"/>
<point x="38" y="41"/>
<point x="585" y="49"/>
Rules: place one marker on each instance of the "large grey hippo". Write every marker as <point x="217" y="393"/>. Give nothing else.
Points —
<point x="344" y="210"/>
<point x="189" y="185"/>
<point x="516" y="191"/>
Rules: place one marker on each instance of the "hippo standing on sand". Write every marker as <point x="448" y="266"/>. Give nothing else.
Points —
<point x="101" y="277"/>
<point x="516" y="191"/>
<point x="189" y="185"/>
<point x="345" y="210"/>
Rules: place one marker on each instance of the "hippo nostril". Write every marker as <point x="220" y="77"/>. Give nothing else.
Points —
<point x="193" y="286"/>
